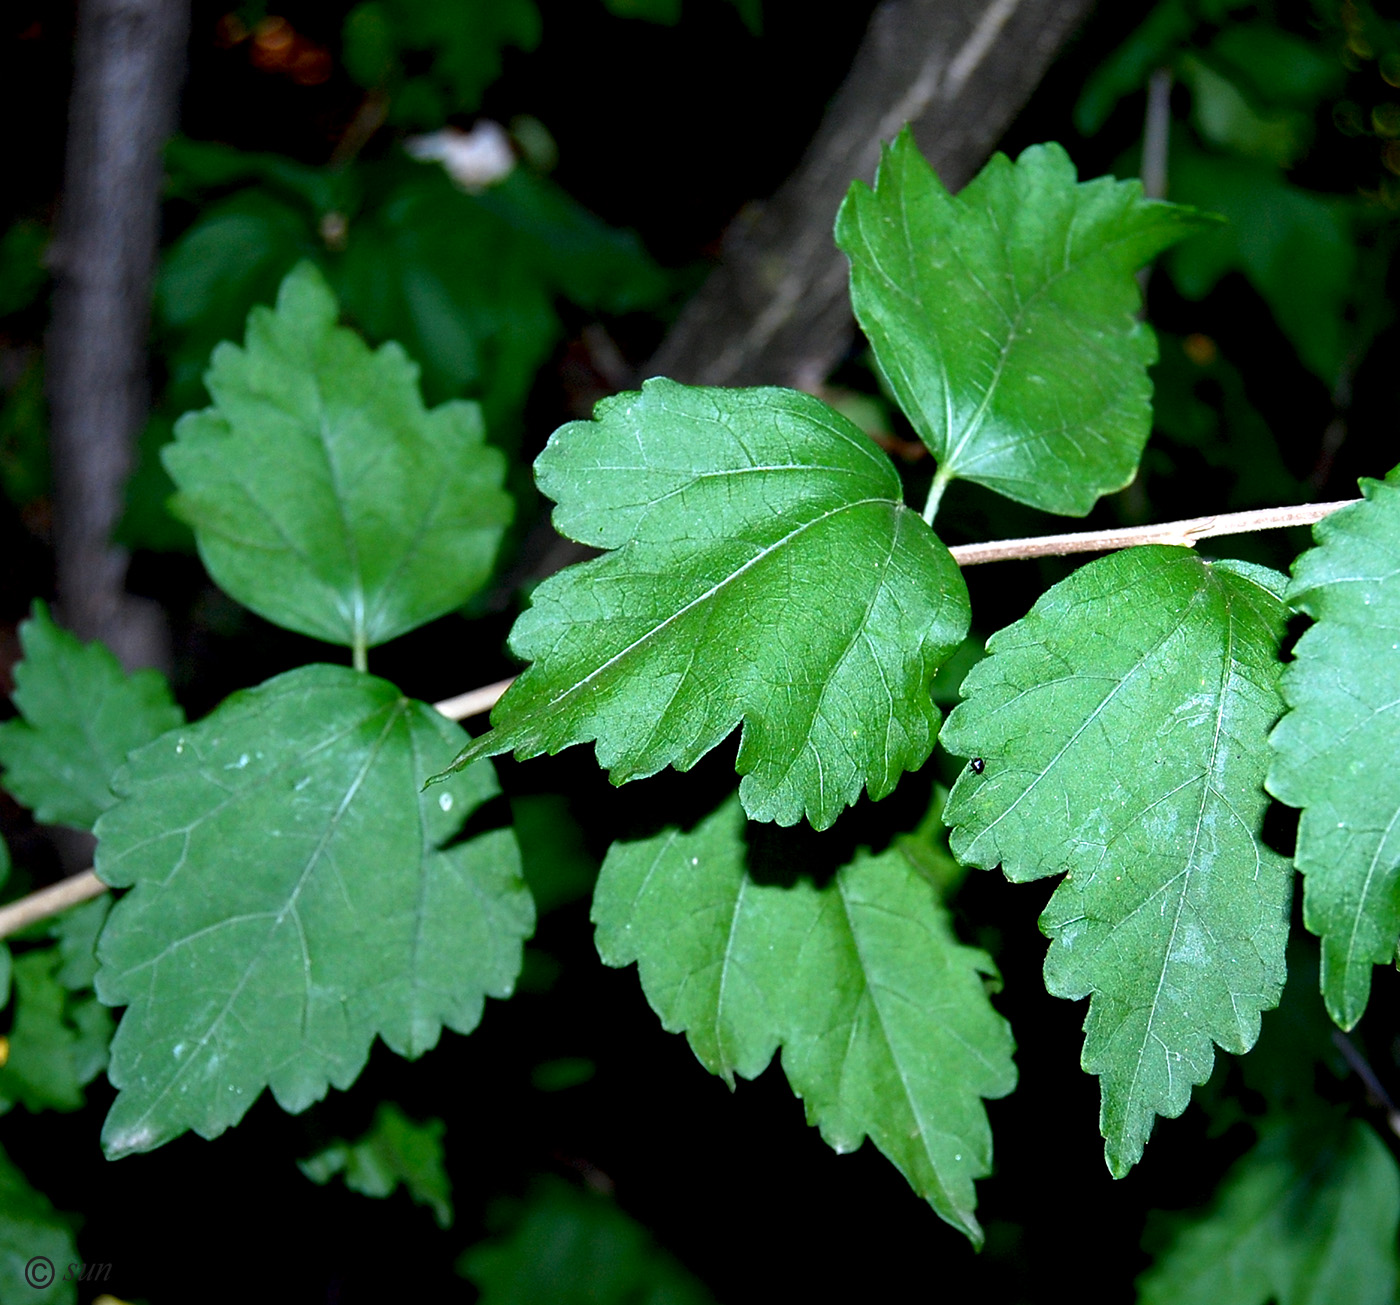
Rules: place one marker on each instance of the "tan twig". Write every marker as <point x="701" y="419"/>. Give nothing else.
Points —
<point x="475" y="702"/>
<point x="1173" y="532"/>
<point x="49" y="901"/>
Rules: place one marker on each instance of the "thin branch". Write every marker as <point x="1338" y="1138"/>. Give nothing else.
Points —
<point x="1185" y="533"/>
<point x="776" y="310"/>
<point x="128" y="65"/>
<point x="1156" y="134"/>
<point x="476" y="702"/>
<point x="1374" y="1088"/>
<point x="49" y="901"/>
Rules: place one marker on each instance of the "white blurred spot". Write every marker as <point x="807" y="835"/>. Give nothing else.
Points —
<point x="474" y="159"/>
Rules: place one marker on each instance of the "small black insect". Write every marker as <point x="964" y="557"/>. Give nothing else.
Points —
<point x="978" y="765"/>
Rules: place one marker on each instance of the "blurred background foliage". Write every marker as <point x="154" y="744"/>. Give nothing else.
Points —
<point x="524" y="194"/>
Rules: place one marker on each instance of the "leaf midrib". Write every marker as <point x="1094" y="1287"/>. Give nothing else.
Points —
<point x="395" y="712"/>
<point x="1207" y="787"/>
<point x="715" y="589"/>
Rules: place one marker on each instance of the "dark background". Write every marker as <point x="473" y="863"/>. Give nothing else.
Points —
<point x="670" y="131"/>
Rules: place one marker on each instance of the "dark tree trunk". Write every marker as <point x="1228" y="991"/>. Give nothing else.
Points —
<point x="776" y="310"/>
<point x="129" y="63"/>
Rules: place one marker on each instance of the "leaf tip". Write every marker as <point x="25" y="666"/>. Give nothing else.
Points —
<point x="117" y="1143"/>
<point x="474" y="751"/>
<point x="1120" y="1156"/>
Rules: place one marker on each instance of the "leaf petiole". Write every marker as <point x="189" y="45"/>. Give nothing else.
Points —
<point x="935" y="493"/>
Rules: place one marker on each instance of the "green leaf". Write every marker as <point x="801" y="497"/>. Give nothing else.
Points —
<point x="765" y="571"/>
<point x="57" y="1043"/>
<point x="1277" y="66"/>
<point x="1153" y="45"/>
<point x="882" y="1015"/>
<point x="295" y="895"/>
<point x="59" y="1033"/>
<point x="430" y="267"/>
<point x="457" y="47"/>
<point x="467" y="283"/>
<point x="1307" y="1217"/>
<point x="234" y="255"/>
<point x="577" y="1248"/>
<point x="1330" y="749"/>
<point x="1225" y="116"/>
<point x="1296" y="248"/>
<point x="33" y="1232"/>
<point x="1004" y="318"/>
<point x="194" y="167"/>
<point x="395" y="1151"/>
<point x="80" y="714"/>
<point x="596" y="266"/>
<point x="322" y="494"/>
<point x="1123" y="727"/>
<point x="1128" y="68"/>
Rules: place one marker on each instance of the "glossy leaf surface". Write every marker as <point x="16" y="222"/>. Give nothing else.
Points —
<point x="80" y="714"/>
<point x="322" y="493"/>
<point x="765" y="570"/>
<point x="1334" y="751"/>
<point x="882" y="1014"/>
<point x="295" y="894"/>
<point x="1005" y="318"/>
<point x="1123" y="727"/>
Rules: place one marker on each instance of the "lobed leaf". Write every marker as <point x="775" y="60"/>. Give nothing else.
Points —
<point x="432" y="61"/>
<point x="295" y="894"/>
<point x="882" y="1015"/>
<point x="1004" y="318"/>
<point x="1332" y="749"/>
<point x="322" y="494"/>
<point x="80" y="714"/>
<point x="764" y="571"/>
<point x="1305" y="1218"/>
<point x="57" y="1041"/>
<point x="1123" y="730"/>
<point x="59" y="1032"/>
<point x="395" y="1151"/>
